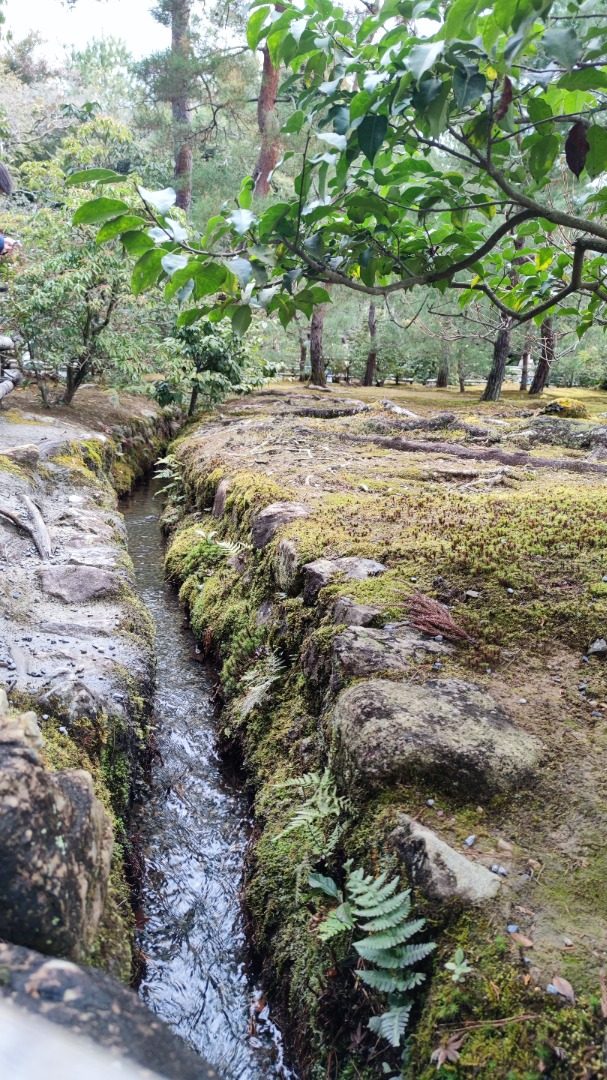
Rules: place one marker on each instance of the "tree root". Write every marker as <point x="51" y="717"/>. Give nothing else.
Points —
<point x="37" y="530"/>
<point x="504" y="457"/>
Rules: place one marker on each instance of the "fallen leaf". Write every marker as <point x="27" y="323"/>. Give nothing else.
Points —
<point x="564" y="988"/>
<point x="447" y="1050"/>
<point x="520" y="939"/>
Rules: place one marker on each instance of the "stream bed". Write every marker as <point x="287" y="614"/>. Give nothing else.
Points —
<point x="194" y="831"/>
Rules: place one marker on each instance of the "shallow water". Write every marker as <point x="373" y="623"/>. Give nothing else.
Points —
<point x="194" y="831"/>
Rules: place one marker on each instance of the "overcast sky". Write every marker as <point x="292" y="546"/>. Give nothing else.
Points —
<point x="63" y="27"/>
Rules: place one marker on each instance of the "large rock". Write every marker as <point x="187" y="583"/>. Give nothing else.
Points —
<point x="447" y="732"/>
<point x="91" y="1004"/>
<point x="348" y="612"/>
<point x="362" y="651"/>
<point x="437" y="870"/>
<point x="55" y="846"/>
<point x="287" y="567"/>
<point x="77" y="584"/>
<point x="268" y="521"/>
<point x="322" y="572"/>
<point x="558" y="431"/>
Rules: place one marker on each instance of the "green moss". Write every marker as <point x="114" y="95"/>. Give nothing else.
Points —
<point x="7" y="465"/>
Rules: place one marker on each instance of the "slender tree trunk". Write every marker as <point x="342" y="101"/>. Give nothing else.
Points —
<point x="193" y="400"/>
<point x="542" y="371"/>
<point x="501" y="349"/>
<point x="269" y="128"/>
<point x="181" y="11"/>
<point x="525" y="358"/>
<point x="317" y="359"/>
<point x="461" y="375"/>
<point x="303" y="355"/>
<point x="442" y="375"/>
<point x="371" y="369"/>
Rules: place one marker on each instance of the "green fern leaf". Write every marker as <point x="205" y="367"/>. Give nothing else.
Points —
<point x="336" y="922"/>
<point x="392" y="1025"/>
<point x="325" y="885"/>
<point x="392" y="917"/>
<point x="395" y="936"/>
<point x="412" y="954"/>
<point x="391" y="984"/>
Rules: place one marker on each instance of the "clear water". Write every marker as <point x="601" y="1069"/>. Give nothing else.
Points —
<point x="194" y="831"/>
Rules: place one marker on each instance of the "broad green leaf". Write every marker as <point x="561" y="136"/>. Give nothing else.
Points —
<point x="147" y="271"/>
<point x="423" y="57"/>
<point x="295" y="123"/>
<point x="542" y="156"/>
<point x="359" y="104"/>
<point x="460" y="19"/>
<point x="596" y="158"/>
<point x="241" y="220"/>
<point x="371" y="134"/>
<point x="584" y="79"/>
<point x="324" y="884"/>
<point x="171" y="263"/>
<point x="116" y="226"/>
<point x="161" y="201"/>
<point x="241" y="319"/>
<point x="468" y="86"/>
<point x="88" y="176"/>
<point x="255" y="26"/>
<point x="562" y="45"/>
<point x="136" y="243"/>
<point x="242" y="270"/>
<point x="271" y="217"/>
<point x="90" y="213"/>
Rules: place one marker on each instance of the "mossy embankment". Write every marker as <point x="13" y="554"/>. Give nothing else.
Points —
<point x="76" y="643"/>
<point x="515" y="559"/>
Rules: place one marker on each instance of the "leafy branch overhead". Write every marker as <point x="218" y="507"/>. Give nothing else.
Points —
<point x="466" y="150"/>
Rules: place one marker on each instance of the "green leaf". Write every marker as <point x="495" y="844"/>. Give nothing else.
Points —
<point x="423" y="57"/>
<point x="392" y="1025"/>
<point x="241" y="319"/>
<point x="563" y="46"/>
<point x="88" y="176"/>
<point x="542" y="156"/>
<point x="584" y="79"/>
<point x="359" y="104"/>
<point x="460" y="21"/>
<point x="98" y="210"/>
<point x="255" y="26"/>
<point x="271" y="217"/>
<point x="371" y="135"/>
<point x="468" y="86"/>
<point x="596" y="158"/>
<point x="324" y="884"/>
<point x="136" y="242"/>
<point x="116" y="226"/>
<point x="295" y="123"/>
<point x="147" y="271"/>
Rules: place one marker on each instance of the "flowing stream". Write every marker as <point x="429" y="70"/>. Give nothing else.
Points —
<point x="194" y="831"/>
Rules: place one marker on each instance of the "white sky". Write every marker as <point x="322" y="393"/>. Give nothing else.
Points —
<point x="62" y="26"/>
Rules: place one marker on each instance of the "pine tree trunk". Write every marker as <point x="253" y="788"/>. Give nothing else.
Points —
<point x="181" y="11"/>
<point x="267" y="119"/>
<point x="303" y="355"/>
<point x="442" y="375"/>
<point x="542" y="371"/>
<point x="371" y="369"/>
<point x="317" y="360"/>
<point x="501" y="349"/>
<point x="525" y="359"/>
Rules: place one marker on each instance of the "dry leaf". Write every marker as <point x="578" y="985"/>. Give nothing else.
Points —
<point x="520" y="939"/>
<point x="447" y="1050"/>
<point x="564" y="988"/>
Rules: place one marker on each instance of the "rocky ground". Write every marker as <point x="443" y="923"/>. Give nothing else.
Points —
<point x="412" y="594"/>
<point x="76" y="674"/>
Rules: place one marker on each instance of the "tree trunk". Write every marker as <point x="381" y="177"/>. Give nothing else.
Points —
<point x="542" y="371"/>
<point x="317" y="359"/>
<point x="461" y="375"/>
<point x="525" y="358"/>
<point x="193" y="400"/>
<point x="501" y="348"/>
<point x="181" y="11"/>
<point x="371" y="369"/>
<point x="267" y="119"/>
<point x="442" y="375"/>
<point x="303" y="355"/>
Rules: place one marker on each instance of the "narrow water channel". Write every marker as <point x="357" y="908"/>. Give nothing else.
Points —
<point x="194" y="830"/>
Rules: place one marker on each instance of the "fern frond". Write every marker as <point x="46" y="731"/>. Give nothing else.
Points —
<point x="393" y="911"/>
<point x="336" y="922"/>
<point x="391" y="984"/>
<point x="394" y="936"/>
<point x="392" y="1025"/>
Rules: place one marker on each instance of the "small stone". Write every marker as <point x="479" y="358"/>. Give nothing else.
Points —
<point x="512" y="928"/>
<point x="510" y="592"/>
<point x="598" y="648"/>
<point x="429" y="802"/>
<point x="499" y="870"/>
<point x="470" y="840"/>
<point x="437" y="666"/>
<point x="471" y="594"/>
<point x="522" y="701"/>
<point x="567" y="942"/>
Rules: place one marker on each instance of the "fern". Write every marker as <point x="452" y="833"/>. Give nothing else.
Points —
<point x="379" y="908"/>
<point x="259" y="681"/>
<point x="171" y="470"/>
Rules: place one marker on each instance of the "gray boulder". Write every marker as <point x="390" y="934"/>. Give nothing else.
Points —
<point x="363" y="651"/>
<point x="77" y="584"/>
<point x="448" y="732"/>
<point x="267" y="522"/>
<point x="437" y="870"/>
<point x="92" y="1004"/>
<point x="348" y="612"/>
<point x="287" y="567"/>
<point x="322" y="572"/>
<point x="56" y="845"/>
<point x="219" y="502"/>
